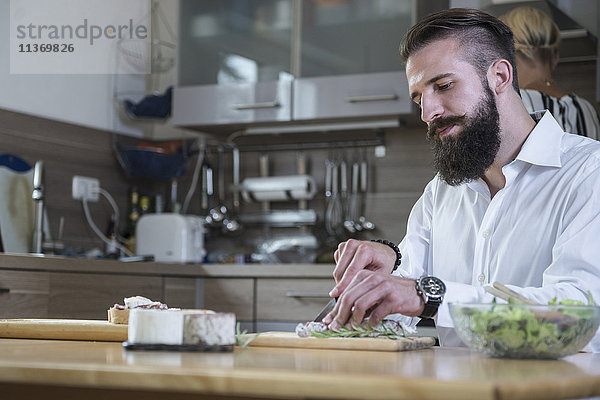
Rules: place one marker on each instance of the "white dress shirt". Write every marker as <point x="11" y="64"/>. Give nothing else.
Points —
<point x="539" y="234"/>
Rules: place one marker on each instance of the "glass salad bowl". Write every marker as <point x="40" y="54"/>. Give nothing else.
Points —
<point x="525" y="331"/>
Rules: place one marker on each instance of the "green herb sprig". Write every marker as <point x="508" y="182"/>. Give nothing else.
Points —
<point x="359" y="331"/>
<point x="241" y="339"/>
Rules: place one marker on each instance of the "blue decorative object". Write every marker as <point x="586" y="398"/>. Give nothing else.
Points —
<point x="14" y="162"/>
<point x="153" y="106"/>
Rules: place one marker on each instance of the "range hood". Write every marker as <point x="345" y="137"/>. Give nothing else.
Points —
<point x="577" y="42"/>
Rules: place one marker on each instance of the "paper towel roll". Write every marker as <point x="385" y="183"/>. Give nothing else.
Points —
<point x="279" y="188"/>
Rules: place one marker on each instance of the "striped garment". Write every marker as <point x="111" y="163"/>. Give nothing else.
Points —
<point x="573" y="113"/>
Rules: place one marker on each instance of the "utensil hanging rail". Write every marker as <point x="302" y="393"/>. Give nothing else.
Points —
<point x="379" y="140"/>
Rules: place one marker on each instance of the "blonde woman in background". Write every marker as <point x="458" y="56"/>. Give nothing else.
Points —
<point x="537" y="39"/>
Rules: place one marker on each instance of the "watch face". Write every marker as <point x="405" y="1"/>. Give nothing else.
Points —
<point x="434" y="287"/>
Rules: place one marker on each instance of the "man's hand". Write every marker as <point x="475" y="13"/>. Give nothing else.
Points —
<point x="374" y="295"/>
<point x="353" y="256"/>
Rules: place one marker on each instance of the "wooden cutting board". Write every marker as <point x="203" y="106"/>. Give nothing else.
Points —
<point x="290" y="339"/>
<point x="63" y="329"/>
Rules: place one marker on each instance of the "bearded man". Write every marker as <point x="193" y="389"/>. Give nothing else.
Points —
<point x="515" y="199"/>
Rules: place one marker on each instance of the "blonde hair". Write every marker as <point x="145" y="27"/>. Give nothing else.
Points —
<point x="535" y="33"/>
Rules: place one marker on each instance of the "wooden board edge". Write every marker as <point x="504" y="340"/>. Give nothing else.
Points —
<point x="290" y="340"/>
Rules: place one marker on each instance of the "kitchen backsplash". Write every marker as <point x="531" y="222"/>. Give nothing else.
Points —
<point x="67" y="150"/>
<point x="396" y="179"/>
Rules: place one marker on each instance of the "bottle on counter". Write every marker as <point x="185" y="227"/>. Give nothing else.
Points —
<point x="144" y="205"/>
<point x="111" y="250"/>
<point x="132" y="219"/>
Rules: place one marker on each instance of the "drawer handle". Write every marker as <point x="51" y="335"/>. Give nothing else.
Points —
<point x="308" y="295"/>
<point x="255" y="106"/>
<point x="376" y="97"/>
<point x="4" y="290"/>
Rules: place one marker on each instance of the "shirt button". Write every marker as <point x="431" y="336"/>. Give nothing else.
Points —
<point x="481" y="278"/>
<point x="485" y="234"/>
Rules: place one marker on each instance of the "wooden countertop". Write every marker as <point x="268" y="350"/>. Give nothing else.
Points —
<point x="69" y="264"/>
<point x="50" y="368"/>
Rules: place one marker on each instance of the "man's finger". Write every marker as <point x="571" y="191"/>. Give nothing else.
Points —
<point x="362" y="257"/>
<point x="347" y="307"/>
<point x="345" y="253"/>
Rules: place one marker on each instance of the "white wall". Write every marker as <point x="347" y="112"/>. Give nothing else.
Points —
<point x="88" y="100"/>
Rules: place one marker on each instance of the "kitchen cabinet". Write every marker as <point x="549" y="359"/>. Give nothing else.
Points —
<point x="234" y="62"/>
<point x="291" y="300"/>
<point x="233" y="41"/>
<point x="218" y="294"/>
<point x="182" y="292"/>
<point x="259" y="295"/>
<point x="282" y="61"/>
<point x="380" y="95"/>
<point x="232" y="103"/>
<point x="230" y="295"/>
<point x="351" y="37"/>
<point x="89" y="295"/>
<point x="259" y="303"/>
<point x="349" y="62"/>
<point x="24" y="294"/>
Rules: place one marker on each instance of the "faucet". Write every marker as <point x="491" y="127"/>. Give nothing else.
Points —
<point x="38" y="198"/>
<point x="40" y="245"/>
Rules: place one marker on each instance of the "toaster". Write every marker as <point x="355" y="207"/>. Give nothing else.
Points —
<point x="171" y="238"/>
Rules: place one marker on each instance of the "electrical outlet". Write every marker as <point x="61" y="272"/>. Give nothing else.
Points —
<point x="85" y="188"/>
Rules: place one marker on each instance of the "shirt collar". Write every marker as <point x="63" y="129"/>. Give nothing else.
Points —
<point x="543" y="145"/>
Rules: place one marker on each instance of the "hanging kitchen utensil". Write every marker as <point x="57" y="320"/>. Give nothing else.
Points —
<point x="231" y="222"/>
<point x="363" y="189"/>
<point x="301" y="170"/>
<point x="263" y="164"/>
<point x="218" y="213"/>
<point x="345" y="198"/>
<point x="333" y="212"/>
<point x="354" y="199"/>
<point x="206" y="192"/>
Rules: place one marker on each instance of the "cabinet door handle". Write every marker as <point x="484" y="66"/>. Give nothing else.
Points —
<point x="308" y="295"/>
<point x="255" y="106"/>
<point x="4" y="290"/>
<point x="376" y="97"/>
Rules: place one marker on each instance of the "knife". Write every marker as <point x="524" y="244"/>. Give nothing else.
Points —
<point x="328" y="307"/>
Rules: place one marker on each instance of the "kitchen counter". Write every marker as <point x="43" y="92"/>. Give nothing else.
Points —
<point x="94" y="370"/>
<point x="69" y="264"/>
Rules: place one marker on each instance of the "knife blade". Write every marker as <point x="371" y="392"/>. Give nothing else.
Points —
<point x="328" y="307"/>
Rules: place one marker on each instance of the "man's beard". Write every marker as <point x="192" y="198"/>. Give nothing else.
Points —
<point x="467" y="155"/>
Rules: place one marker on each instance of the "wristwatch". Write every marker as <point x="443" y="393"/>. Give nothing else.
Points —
<point x="432" y="290"/>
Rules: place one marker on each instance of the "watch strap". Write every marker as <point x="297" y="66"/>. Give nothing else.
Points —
<point x="430" y="309"/>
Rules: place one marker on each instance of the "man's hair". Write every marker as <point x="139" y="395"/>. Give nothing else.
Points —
<point x="483" y="38"/>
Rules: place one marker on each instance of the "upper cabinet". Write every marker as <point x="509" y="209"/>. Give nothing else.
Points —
<point x="348" y="50"/>
<point x="271" y="61"/>
<point x="351" y="36"/>
<point x="234" y="62"/>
